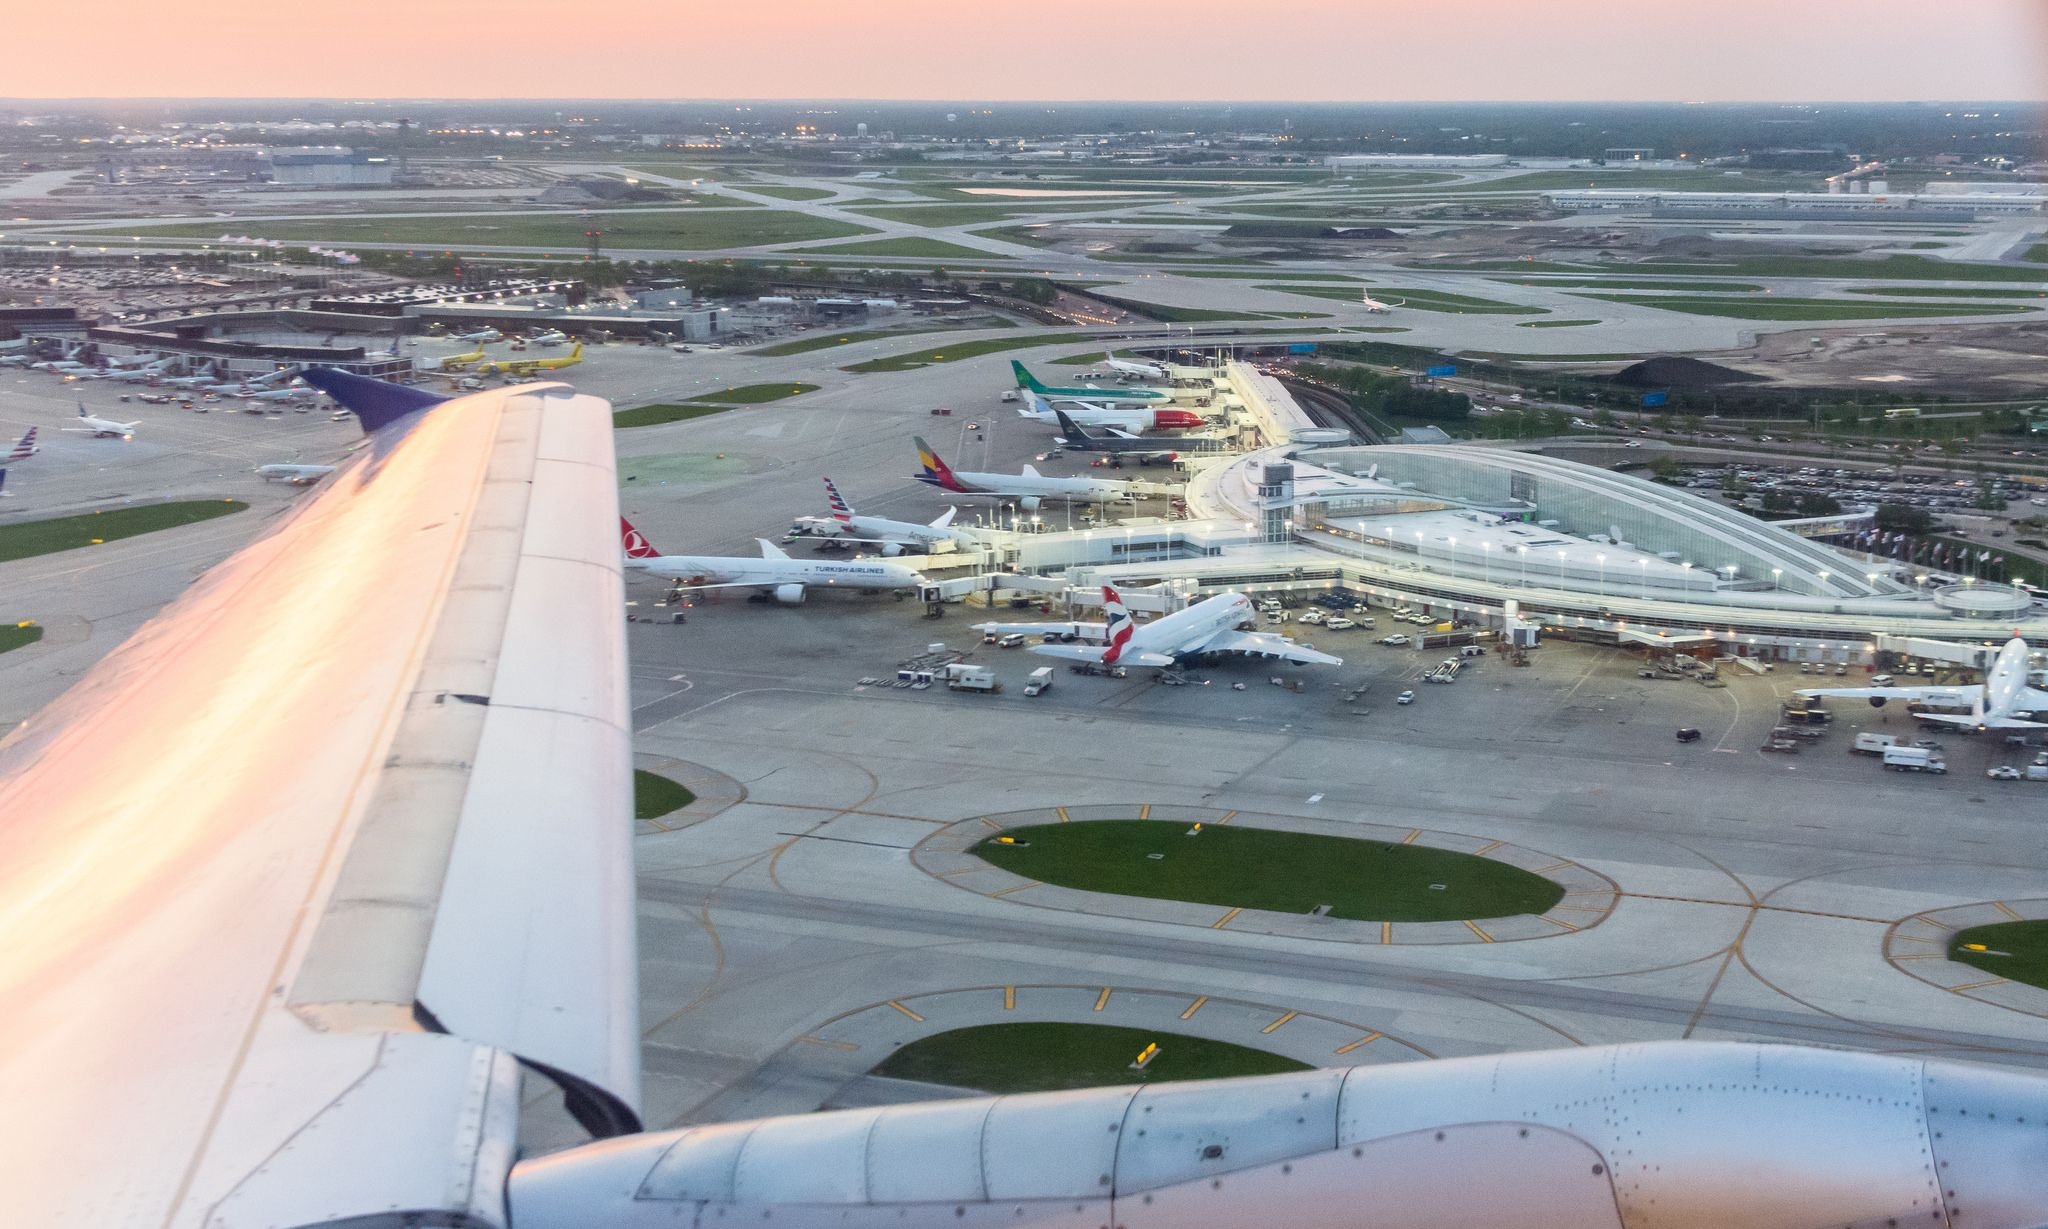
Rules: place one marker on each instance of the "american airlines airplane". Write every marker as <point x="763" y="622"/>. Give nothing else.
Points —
<point x="24" y="448"/>
<point x="104" y="428"/>
<point x="1029" y="489"/>
<point x="314" y="984"/>
<point x="774" y="572"/>
<point x="1208" y="626"/>
<point x="1122" y="417"/>
<point x="1996" y="704"/>
<point x="894" y="537"/>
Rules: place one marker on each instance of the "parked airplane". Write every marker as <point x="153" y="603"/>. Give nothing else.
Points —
<point x="1996" y="704"/>
<point x="1133" y="367"/>
<point x="1088" y="392"/>
<point x="137" y="375"/>
<point x="1029" y="488"/>
<point x="395" y="901"/>
<point x="277" y="394"/>
<point x="894" y="537"/>
<point x="1109" y="441"/>
<point x="484" y="334"/>
<point x="456" y="362"/>
<point x="774" y="572"/>
<point x="553" y="337"/>
<point x="527" y="366"/>
<point x="61" y="366"/>
<point x="191" y="381"/>
<point x="1122" y="417"/>
<point x="1208" y="626"/>
<point x="104" y="428"/>
<point x="297" y="475"/>
<point x="25" y="447"/>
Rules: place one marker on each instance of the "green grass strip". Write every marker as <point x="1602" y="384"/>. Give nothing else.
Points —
<point x="1261" y="868"/>
<point x="2016" y="951"/>
<point x="755" y="394"/>
<point x="655" y="415"/>
<point x="14" y="636"/>
<point x="655" y="795"/>
<point x="1808" y="309"/>
<point x="955" y="352"/>
<point x="1046" y="1057"/>
<point x="31" y="538"/>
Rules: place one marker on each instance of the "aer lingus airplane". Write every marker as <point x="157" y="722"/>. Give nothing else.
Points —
<point x="320" y="981"/>
<point x="1996" y="704"/>
<point x="1208" y="626"/>
<point x="1088" y="392"/>
<point x="774" y="572"/>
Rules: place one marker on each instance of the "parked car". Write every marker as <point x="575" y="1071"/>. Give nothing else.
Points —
<point x="1339" y="623"/>
<point x="1406" y="697"/>
<point x="1395" y="641"/>
<point x="1688" y="735"/>
<point x="2003" y="772"/>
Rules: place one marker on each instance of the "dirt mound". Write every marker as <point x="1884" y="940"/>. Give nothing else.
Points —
<point x="1669" y="371"/>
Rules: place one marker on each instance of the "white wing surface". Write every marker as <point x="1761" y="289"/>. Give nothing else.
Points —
<point x="1267" y="645"/>
<point x="294" y="879"/>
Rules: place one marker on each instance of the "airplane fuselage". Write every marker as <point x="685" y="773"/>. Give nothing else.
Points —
<point x="739" y="570"/>
<point x="1032" y="486"/>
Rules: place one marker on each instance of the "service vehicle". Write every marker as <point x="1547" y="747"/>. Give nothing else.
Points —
<point x="960" y="676"/>
<point x="1040" y="680"/>
<point x="1874" y="744"/>
<point x="1339" y="623"/>
<point x="1914" y="759"/>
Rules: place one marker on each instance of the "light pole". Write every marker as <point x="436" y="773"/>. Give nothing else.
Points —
<point x="1602" y="561"/>
<point x="1560" y="569"/>
<point x="1485" y="562"/>
<point x="1643" y="571"/>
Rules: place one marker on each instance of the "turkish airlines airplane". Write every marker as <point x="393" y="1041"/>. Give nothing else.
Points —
<point x="1996" y="704"/>
<point x="774" y="572"/>
<point x="316" y="983"/>
<point x="1028" y="489"/>
<point x="1208" y="626"/>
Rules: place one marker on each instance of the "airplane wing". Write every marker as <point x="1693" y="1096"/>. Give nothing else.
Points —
<point x="1982" y="721"/>
<point x="295" y="881"/>
<point x="1085" y="631"/>
<point x="1925" y="695"/>
<point x="1265" y="644"/>
<point x="1094" y="652"/>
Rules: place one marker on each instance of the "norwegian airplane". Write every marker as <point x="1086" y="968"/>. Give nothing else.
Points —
<point x="774" y="572"/>
<point x="1208" y="626"/>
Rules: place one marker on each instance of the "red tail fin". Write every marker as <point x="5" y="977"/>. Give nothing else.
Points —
<point x="636" y="543"/>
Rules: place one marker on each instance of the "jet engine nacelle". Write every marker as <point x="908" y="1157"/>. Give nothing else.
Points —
<point x="892" y="549"/>
<point x="1029" y="503"/>
<point x="1877" y="701"/>
<point x="790" y="595"/>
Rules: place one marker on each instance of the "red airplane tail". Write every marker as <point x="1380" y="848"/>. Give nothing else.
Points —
<point x="636" y="543"/>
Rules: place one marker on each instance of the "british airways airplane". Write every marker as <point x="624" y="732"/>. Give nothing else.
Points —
<point x="300" y="963"/>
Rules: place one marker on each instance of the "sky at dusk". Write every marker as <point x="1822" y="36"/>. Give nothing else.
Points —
<point x="997" y="50"/>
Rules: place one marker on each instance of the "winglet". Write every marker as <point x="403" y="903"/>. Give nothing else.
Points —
<point x="375" y="403"/>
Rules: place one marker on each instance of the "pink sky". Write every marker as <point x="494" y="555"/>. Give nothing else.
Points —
<point x="1307" y="50"/>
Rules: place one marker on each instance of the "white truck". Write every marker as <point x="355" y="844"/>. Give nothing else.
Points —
<point x="1040" y="680"/>
<point x="961" y="676"/>
<point x="1874" y="744"/>
<point x="1914" y="759"/>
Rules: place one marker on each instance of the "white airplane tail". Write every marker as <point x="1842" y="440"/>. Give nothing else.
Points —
<point x="944" y="518"/>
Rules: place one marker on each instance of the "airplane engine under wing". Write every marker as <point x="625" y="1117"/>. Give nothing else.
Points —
<point x="294" y="880"/>
<point x="790" y="595"/>
<point x="1668" y="1135"/>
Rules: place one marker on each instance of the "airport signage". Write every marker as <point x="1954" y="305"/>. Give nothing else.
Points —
<point x="1655" y="398"/>
<point x="1301" y="347"/>
<point x="1440" y="371"/>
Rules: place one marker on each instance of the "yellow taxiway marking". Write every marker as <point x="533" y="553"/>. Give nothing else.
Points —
<point x="1922" y="956"/>
<point x="1554" y="866"/>
<point x="1145" y="811"/>
<point x="1195" y="1006"/>
<point x="1410" y="838"/>
<point x="965" y="870"/>
<point x="1277" y="1023"/>
<point x="820" y="1041"/>
<point x="1009" y="998"/>
<point x="1227" y="817"/>
<point x="1386" y="932"/>
<point x="1487" y="848"/>
<point x="1223" y="921"/>
<point x="1015" y="887"/>
<point x="1366" y="1040"/>
<point x="992" y="823"/>
<point x="1978" y="985"/>
<point x="1940" y="943"/>
<point x="1580" y="908"/>
<point x="1062" y="813"/>
<point x="1474" y="928"/>
<point x="906" y="1011"/>
<point x="1102" y="1000"/>
<point x="2006" y="909"/>
<point x="1555" y="922"/>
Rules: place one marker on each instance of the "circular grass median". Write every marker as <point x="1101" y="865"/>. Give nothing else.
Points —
<point x="2016" y="951"/>
<point x="655" y="795"/>
<point x="1035" y="1057"/>
<point x="1265" y="868"/>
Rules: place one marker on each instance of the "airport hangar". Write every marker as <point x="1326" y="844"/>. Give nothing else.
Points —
<point x="1499" y="537"/>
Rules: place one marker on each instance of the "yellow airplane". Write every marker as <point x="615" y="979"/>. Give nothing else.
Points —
<point x="527" y="366"/>
<point x="456" y="362"/>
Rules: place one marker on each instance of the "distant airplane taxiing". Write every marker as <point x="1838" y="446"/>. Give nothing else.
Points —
<point x="297" y="475"/>
<point x="1209" y="626"/>
<point x="104" y="428"/>
<point x="1374" y="305"/>
<point x="1028" y="489"/>
<point x="774" y="572"/>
